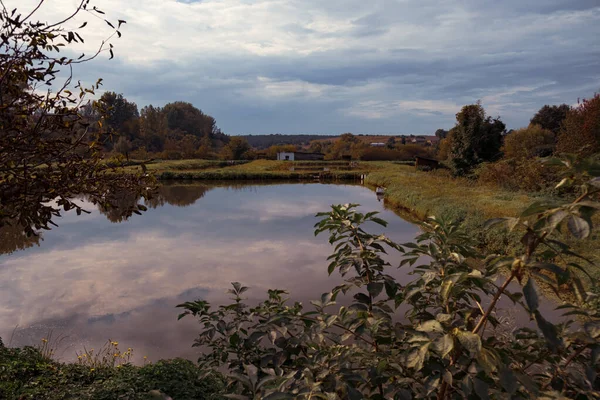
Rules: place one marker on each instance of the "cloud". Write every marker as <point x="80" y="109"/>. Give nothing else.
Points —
<point x="292" y="66"/>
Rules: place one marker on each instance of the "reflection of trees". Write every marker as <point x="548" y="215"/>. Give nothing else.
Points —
<point x="12" y="238"/>
<point x="177" y="195"/>
<point x="122" y="206"/>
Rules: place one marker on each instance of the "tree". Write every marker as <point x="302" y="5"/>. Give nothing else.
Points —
<point x="49" y="155"/>
<point x="347" y="144"/>
<point x="580" y="132"/>
<point x="353" y="342"/>
<point x="441" y="133"/>
<point x="235" y="149"/>
<point x="391" y="143"/>
<point x="476" y="139"/>
<point x="445" y="146"/>
<point x="551" y="117"/>
<point x="184" y="117"/>
<point x="121" y="116"/>
<point x="533" y="141"/>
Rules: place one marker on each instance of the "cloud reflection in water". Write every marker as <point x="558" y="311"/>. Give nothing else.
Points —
<point x="92" y="279"/>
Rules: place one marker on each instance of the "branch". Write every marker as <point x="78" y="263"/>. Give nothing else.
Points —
<point x="493" y="303"/>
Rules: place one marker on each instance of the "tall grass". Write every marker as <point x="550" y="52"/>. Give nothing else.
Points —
<point x="437" y="193"/>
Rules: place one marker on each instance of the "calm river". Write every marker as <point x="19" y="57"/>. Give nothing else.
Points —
<point x="98" y="277"/>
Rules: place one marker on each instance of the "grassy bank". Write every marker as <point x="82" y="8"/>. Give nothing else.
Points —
<point x="437" y="193"/>
<point x="26" y="374"/>
<point x="254" y="170"/>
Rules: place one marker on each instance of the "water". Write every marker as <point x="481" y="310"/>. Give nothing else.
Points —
<point x="98" y="277"/>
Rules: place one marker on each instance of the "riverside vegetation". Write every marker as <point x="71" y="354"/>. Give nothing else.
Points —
<point x="451" y="343"/>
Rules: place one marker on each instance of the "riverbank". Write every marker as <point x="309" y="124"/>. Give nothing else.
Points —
<point x="421" y="194"/>
<point x="256" y="170"/>
<point x="25" y="373"/>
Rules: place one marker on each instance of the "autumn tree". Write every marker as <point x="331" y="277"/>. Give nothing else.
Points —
<point x="235" y="149"/>
<point x="533" y="141"/>
<point x="476" y="138"/>
<point x="49" y="153"/>
<point x="551" y="117"/>
<point x="580" y="132"/>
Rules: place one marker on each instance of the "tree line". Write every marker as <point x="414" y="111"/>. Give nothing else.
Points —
<point x="479" y="146"/>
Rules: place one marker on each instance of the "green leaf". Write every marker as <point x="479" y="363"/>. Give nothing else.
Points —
<point x="279" y="396"/>
<point x="578" y="227"/>
<point x="593" y="329"/>
<point x="430" y="326"/>
<point x="482" y="389"/>
<point x="508" y="380"/>
<point x="416" y="358"/>
<point x="549" y="331"/>
<point x="536" y="208"/>
<point x="490" y="223"/>
<point x="444" y="345"/>
<point x="375" y="288"/>
<point x="445" y="289"/>
<point x="470" y="341"/>
<point x="531" y="296"/>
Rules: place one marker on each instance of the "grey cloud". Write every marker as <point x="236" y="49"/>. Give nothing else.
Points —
<point x="535" y="49"/>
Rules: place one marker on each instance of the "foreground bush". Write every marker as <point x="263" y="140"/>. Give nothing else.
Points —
<point x="27" y="374"/>
<point x="451" y="343"/>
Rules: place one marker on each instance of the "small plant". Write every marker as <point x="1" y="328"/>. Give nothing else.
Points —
<point x="108" y="356"/>
<point x="49" y="345"/>
<point x="451" y="342"/>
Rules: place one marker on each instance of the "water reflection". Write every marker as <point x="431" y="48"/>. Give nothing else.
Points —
<point x="12" y="238"/>
<point x="92" y="279"/>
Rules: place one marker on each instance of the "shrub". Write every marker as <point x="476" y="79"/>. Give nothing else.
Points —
<point x="533" y="141"/>
<point x="26" y="374"/>
<point x="517" y="175"/>
<point x="452" y="343"/>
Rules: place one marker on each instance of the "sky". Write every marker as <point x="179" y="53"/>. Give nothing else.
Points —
<point x="335" y="66"/>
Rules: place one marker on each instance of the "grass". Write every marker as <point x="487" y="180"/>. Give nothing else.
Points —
<point x="421" y="194"/>
<point x="26" y="373"/>
<point x="254" y="170"/>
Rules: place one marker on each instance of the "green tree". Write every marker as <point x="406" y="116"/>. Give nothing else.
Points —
<point x="551" y="117"/>
<point x="441" y="133"/>
<point x="391" y="143"/>
<point x="476" y="138"/>
<point x="235" y="149"/>
<point x="48" y="154"/>
<point x="184" y="117"/>
<point x="121" y="116"/>
<point x="533" y="141"/>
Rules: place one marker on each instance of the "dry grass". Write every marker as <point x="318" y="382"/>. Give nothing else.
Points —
<point x="437" y="193"/>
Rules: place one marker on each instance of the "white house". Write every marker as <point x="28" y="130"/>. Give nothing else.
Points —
<point x="299" y="156"/>
<point x="377" y="144"/>
<point x="284" y="155"/>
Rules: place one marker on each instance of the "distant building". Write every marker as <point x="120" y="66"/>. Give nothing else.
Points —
<point x="299" y="156"/>
<point x="377" y="144"/>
